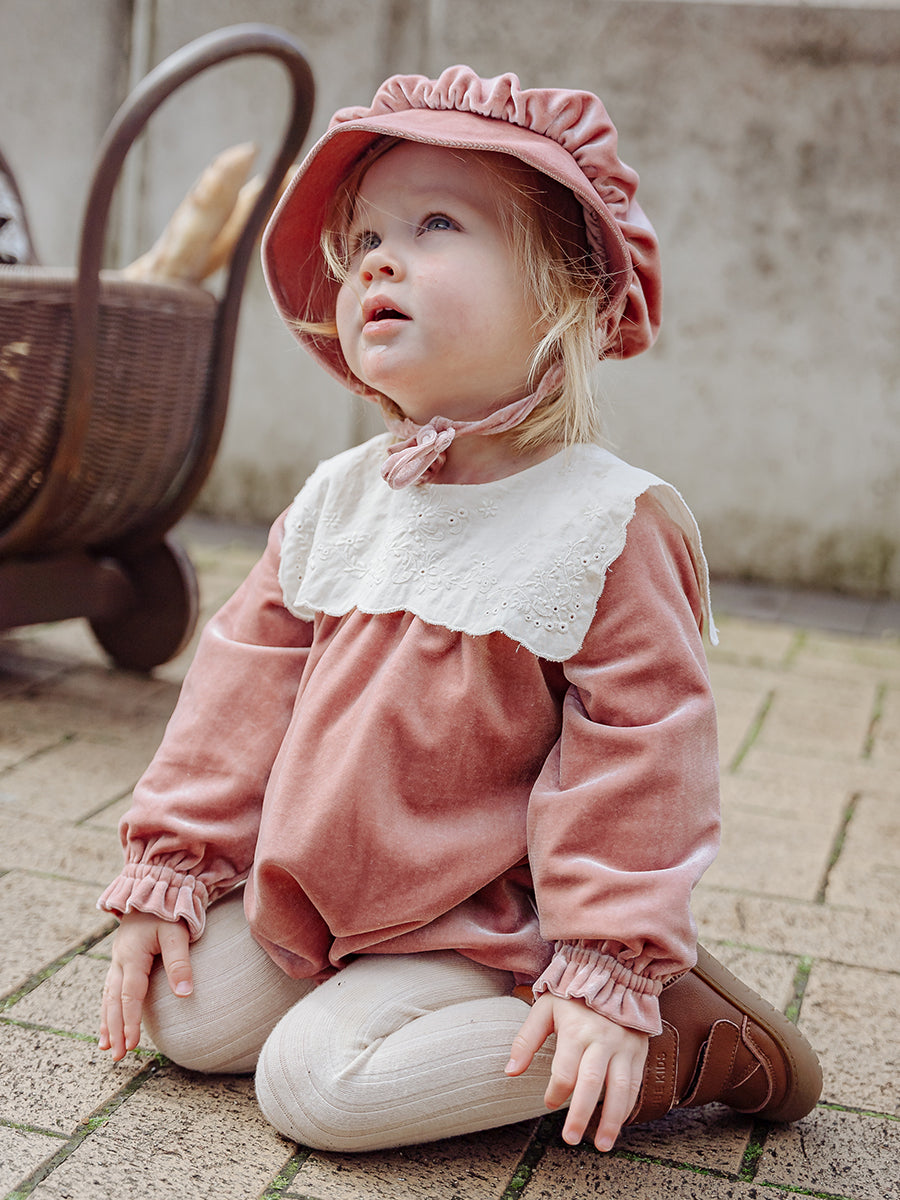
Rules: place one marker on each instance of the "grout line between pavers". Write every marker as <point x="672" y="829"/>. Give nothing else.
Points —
<point x="752" y="733"/>
<point x="790" y="1189"/>
<point x="104" y="806"/>
<point x="874" y="721"/>
<point x="837" y="847"/>
<point x="59" y="877"/>
<point x="285" y="1177"/>
<point x="21" y="1127"/>
<point x="83" y="1131"/>
<point x="786" y="1189"/>
<point x="801" y="979"/>
<point x="295" y="1196"/>
<point x="850" y="912"/>
<point x="674" y="1164"/>
<point x="72" y="1034"/>
<point x="793" y="651"/>
<point x="752" y="948"/>
<point x="833" y="1106"/>
<point x="39" y="753"/>
<point x="545" y="1132"/>
<point x="35" y="980"/>
<point x="756" y="1144"/>
<point x="547" y="1128"/>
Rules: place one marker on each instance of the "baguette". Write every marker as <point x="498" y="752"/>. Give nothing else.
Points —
<point x="183" y="251"/>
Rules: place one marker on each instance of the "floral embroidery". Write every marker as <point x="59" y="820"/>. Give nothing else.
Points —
<point x="554" y="597"/>
<point x="434" y="520"/>
<point x="467" y="557"/>
<point x="423" y="567"/>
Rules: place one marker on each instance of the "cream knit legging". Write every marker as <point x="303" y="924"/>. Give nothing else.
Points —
<point x="392" y="1050"/>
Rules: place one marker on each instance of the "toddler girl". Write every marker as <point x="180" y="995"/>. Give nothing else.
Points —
<point x="450" y="750"/>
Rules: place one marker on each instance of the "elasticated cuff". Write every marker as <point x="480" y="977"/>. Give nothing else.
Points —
<point x="167" y="894"/>
<point x="606" y="985"/>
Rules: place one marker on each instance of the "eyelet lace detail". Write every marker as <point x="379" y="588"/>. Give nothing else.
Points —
<point x="477" y="559"/>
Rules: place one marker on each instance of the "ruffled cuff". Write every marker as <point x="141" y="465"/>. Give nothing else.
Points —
<point x="606" y="985"/>
<point x="165" y="893"/>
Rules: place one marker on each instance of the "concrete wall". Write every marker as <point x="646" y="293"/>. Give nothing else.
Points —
<point x="767" y="140"/>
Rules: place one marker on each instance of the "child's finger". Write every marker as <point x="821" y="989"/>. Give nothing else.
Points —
<point x="112" y="1028"/>
<point x="535" y="1030"/>
<point x="174" y="946"/>
<point x="586" y="1091"/>
<point x="565" y="1071"/>
<point x="135" y="981"/>
<point x="622" y="1086"/>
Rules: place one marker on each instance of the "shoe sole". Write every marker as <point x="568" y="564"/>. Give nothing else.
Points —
<point x="805" y="1083"/>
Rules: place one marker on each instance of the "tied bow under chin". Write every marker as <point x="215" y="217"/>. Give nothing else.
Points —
<point x="424" y="448"/>
<point x="422" y="453"/>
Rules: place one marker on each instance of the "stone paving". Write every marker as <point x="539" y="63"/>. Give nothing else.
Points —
<point x="802" y="902"/>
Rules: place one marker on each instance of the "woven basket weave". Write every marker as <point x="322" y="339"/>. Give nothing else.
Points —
<point x="113" y="392"/>
<point x="153" y="355"/>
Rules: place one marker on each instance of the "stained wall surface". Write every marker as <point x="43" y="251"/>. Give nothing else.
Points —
<point x="767" y="141"/>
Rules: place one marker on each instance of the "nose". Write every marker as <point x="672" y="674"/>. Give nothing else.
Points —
<point x="379" y="261"/>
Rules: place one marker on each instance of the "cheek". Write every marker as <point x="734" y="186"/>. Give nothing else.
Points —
<point x="347" y="316"/>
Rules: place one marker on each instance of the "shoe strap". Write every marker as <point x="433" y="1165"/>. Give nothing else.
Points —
<point x="733" y="1070"/>
<point x="659" y="1089"/>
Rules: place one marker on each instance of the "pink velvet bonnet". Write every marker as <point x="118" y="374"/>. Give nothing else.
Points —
<point x="564" y="134"/>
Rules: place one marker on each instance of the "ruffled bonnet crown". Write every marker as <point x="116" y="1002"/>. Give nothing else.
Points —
<point x="565" y="134"/>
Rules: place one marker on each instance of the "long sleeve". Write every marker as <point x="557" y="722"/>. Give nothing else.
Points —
<point x="624" y="817"/>
<point x="191" y="831"/>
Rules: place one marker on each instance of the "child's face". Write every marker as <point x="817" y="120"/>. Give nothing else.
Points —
<point x="434" y="313"/>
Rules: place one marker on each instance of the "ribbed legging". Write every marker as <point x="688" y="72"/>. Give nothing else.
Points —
<point x="394" y="1049"/>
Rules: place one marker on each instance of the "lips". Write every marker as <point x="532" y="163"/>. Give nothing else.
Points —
<point x="380" y="309"/>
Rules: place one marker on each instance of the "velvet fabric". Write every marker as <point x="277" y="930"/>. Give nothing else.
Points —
<point x="389" y="786"/>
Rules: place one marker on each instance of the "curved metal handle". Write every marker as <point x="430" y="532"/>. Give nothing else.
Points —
<point x="184" y="64"/>
<point x="219" y="46"/>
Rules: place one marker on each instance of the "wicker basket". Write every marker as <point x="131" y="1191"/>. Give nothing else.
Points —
<point x="113" y="396"/>
<point x="154" y="352"/>
<point x="113" y="392"/>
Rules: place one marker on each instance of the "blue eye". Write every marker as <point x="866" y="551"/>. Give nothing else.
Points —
<point x="438" y="222"/>
<point x="364" y="241"/>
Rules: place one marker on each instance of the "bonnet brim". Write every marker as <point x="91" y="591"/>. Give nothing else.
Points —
<point x="566" y="135"/>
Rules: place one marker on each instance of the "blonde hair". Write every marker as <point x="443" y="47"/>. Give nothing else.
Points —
<point x="544" y="226"/>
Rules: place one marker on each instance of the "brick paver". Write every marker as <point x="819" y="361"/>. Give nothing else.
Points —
<point x="802" y="903"/>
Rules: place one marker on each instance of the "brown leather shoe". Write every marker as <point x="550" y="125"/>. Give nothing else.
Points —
<point x="723" y="1042"/>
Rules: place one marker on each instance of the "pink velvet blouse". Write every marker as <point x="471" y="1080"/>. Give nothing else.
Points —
<point x="387" y="785"/>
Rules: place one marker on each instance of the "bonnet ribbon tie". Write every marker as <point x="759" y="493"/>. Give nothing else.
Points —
<point x="422" y="452"/>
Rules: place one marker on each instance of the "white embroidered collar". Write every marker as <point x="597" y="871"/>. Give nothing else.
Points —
<point x="526" y="556"/>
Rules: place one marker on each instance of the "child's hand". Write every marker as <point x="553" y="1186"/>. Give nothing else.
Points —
<point x="139" y="938"/>
<point x="594" y="1058"/>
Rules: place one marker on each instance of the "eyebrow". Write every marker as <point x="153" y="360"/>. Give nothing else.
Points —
<point x="425" y="197"/>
